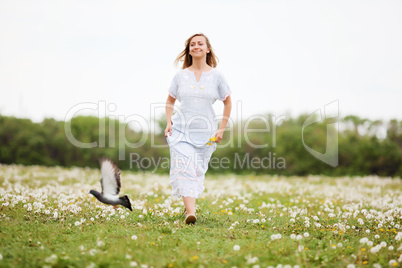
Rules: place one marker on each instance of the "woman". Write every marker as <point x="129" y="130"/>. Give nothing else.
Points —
<point x="193" y="130"/>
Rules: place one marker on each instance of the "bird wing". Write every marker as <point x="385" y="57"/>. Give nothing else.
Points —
<point x="110" y="179"/>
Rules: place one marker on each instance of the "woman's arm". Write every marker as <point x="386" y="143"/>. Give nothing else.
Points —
<point x="226" y="114"/>
<point x="169" y="112"/>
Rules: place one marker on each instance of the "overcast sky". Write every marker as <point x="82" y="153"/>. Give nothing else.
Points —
<point x="277" y="56"/>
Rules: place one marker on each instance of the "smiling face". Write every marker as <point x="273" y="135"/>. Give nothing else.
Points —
<point x="198" y="47"/>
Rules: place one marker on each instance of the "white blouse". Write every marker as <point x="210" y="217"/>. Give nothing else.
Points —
<point x="196" y="117"/>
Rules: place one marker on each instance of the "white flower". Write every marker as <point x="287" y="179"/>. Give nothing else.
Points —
<point x="306" y="235"/>
<point x="122" y="217"/>
<point x="375" y="249"/>
<point x="376" y="236"/>
<point x="276" y="236"/>
<point x="236" y="247"/>
<point x="351" y="266"/>
<point x="390" y="248"/>
<point x="91" y="265"/>
<point x="92" y="252"/>
<point x="369" y="243"/>
<point x="364" y="240"/>
<point x="1" y="257"/>
<point x="52" y="259"/>
<point x="77" y="223"/>
<point x="383" y="244"/>
<point x="299" y="237"/>
<point x="100" y="243"/>
<point x="293" y="236"/>
<point x="251" y="260"/>
<point x="398" y="236"/>
<point x="133" y="264"/>
<point x="391" y="262"/>
<point x="134" y="237"/>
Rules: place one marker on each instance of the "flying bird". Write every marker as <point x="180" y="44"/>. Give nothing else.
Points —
<point x="110" y="182"/>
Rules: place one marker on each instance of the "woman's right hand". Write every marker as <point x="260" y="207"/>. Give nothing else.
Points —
<point x="168" y="129"/>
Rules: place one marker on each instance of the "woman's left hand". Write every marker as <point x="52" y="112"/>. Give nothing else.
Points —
<point x="218" y="135"/>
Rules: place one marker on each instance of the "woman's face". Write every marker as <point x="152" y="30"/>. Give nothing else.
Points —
<point x="198" y="47"/>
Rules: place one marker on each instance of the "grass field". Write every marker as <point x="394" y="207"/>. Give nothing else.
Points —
<point x="48" y="219"/>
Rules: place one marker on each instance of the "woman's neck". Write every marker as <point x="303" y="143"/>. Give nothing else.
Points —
<point x="200" y="65"/>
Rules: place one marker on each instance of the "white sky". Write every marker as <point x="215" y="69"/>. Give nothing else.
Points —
<point x="277" y="56"/>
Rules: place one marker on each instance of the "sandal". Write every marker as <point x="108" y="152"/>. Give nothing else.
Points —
<point x="191" y="219"/>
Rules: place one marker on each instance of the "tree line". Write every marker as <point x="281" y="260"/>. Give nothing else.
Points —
<point x="261" y="146"/>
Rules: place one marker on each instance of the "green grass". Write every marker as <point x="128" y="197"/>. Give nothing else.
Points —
<point x="35" y="238"/>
